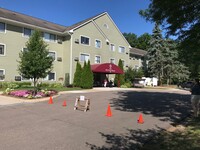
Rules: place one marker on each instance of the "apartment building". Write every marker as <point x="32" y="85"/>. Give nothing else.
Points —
<point x="137" y="58"/>
<point x="97" y="39"/>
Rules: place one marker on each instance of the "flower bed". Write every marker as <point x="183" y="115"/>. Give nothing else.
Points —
<point x="30" y="94"/>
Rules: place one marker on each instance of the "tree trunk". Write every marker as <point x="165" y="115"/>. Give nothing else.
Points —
<point x="34" y="84"/>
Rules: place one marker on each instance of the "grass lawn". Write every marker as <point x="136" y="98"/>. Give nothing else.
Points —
<point x="188" y="139"/>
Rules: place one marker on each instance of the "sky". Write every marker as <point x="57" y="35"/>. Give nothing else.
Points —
<point x="125" y="13"/>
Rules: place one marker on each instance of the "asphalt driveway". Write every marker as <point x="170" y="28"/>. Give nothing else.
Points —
<point x="43" y="126"/>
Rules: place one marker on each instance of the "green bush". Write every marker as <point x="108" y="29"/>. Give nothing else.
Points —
<point x="123" y="86"/>
<point x="14" y="85"/>
<point x="126" y="85"/>
<point x="50" y="85"/>
<point x="7" y="91"/>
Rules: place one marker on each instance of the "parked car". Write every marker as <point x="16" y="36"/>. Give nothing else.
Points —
<point x="187" y="85"/>
<point x="139" y="83"/>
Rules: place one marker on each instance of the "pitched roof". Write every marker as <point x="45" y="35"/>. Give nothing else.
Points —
<point x="84" y="21"/>
<point x="18" y="17"/>
<point x="137" y="51"/>
<point x="29" y="20"/>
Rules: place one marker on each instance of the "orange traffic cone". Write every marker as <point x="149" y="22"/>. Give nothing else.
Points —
<point x="64" y="103"/>
<point x="109" y="113"/>
<point x="50" y="100"/>
<point x="140" y="120"/>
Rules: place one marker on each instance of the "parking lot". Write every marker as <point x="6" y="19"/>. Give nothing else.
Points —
<point x="34" y="126"/>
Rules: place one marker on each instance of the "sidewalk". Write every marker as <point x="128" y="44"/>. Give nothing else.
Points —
<point x="7" y="100"/>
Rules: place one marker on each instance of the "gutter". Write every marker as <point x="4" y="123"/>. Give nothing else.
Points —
<point x="34" y="26"/>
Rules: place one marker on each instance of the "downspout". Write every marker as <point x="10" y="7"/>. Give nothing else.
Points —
<point x="70" y="67"/>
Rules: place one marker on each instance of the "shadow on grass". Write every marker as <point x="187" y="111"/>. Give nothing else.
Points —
<point x="153" y="139"/>
<point x="133" y="140"/>
<point x="170" y="106"/>
<point x="186" y="140"/>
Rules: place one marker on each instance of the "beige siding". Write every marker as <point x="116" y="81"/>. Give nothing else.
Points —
<point x="15" y="42"/>
<point x="102" y="28"/>
<point x="96" y="30"/>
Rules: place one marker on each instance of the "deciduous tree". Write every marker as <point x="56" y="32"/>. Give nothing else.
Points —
<point x="35" y="62"/>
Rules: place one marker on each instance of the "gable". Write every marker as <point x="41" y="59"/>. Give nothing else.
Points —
<point x="106" y="26"/>
<point x="109" y="28"/>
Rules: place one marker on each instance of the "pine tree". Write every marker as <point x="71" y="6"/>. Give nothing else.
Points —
<point x="155" y="55"/>
<point x="87" y="76"/>
<point x="35" y="62"/>
<point x="173" y="68"/>
<point x="90" y="75"/>
<point x="119" y="78"/>
<point x="83" y="75"/>
<point x="77" y="75"/>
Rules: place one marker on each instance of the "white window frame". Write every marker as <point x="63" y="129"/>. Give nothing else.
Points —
<point x="99" y="59"/>
<point x="112" y="59"/>
<point x="85" y="37"/>
<point x="24" y="48"/>
<point x="49" y="40"/>
<point x="55" y="54"/>
<point x="100" y="43"/>
<point x="111" y="47"/>
<point x="5" y="28"/>
<point x="27" y="36"/>
<point x="84" y="54"/>
<point x="123" y="47"/>
<point x="47" y="77"/>
<point x="4" y="49"/>
<point x="4" y="73"/>
<point x="136" y="67"/>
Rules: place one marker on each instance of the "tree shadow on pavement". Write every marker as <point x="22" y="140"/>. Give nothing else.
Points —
<point x="166" y="106"/>
<point x="133" y="140"/>
<point x="169" y="106"/>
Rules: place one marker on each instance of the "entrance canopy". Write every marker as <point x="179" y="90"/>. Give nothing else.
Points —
<point x="107" y="68"/>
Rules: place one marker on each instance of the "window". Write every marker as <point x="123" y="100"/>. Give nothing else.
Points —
<point x="84" y="57"/>
<point x="136" y="67"/>
<point x="50" y="76"/>
<point x="2" y="50"/>
<point x="97" y="43"/>
<point x="49" y="37"/>
<point x="28" y="32"/>
<point x="25" y="79"/>
<point x="53" y="55"/>
<point x="106" y="26"/>
<point x="121" y="49"/>
<point x="25" y="49"/>
<point x="112" y="60"/>
<point x="2" y="27"/>
<point x="112" y="47"/>
<point x="85" y="40"/>
<point x="97" y="59"/>
<point x="2" y="74"/>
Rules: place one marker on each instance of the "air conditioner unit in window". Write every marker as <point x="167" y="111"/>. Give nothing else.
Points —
<point x="18" y="78"/>
<point x="77" y="41"/>
<point x="59" y="41"/>
<point x="59" y="58"/>
<point x="76" y="59"/>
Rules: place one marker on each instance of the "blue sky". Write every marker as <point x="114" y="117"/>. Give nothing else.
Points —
<point x="67" y="12"/>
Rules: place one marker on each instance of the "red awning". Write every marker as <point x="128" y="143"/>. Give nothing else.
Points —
<point x="107" y="68"/>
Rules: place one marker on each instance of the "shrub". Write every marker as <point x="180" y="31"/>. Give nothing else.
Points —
<point x="123" y="86"/>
